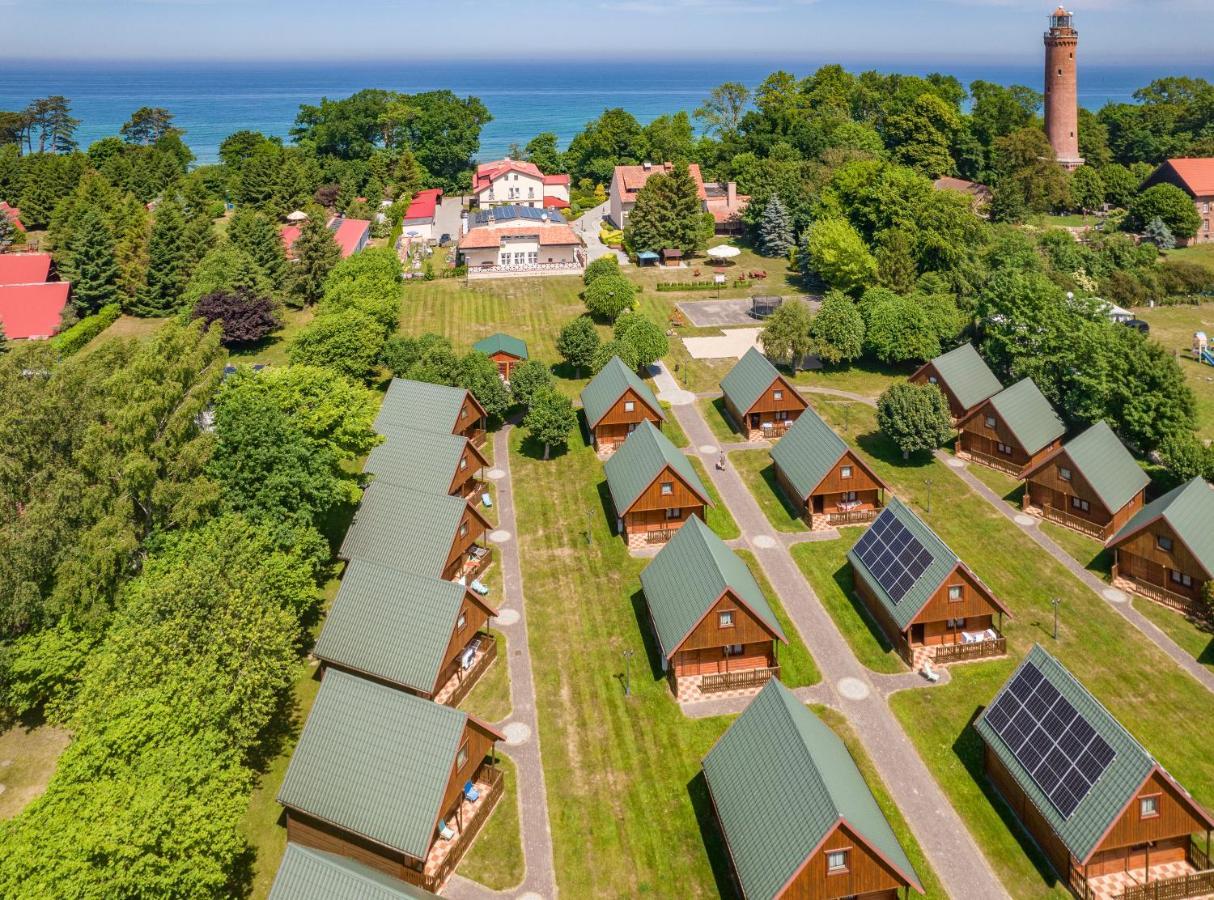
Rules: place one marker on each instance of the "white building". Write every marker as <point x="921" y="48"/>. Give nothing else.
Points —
<point x="521" y="183"/>
<point x="514" y="240"/>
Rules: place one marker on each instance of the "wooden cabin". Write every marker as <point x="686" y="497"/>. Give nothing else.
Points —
<point x="429" y="463"/>
<point x="308" y="874"/>
<point x="435" y="408"/>
<point x="714" y="626"/>
<point x="390" y="780"/>
<point x="423" y="635"/>
<point x="762" y="403"/>
<point x="615" y="402"/>
<point x="1091" y="484"/>
<point x="929" y="603"/>
<point x="506" y="352"/>
<point x="1011" y="431"/>
<point x="963" y="377"/>
<point x="798" y="819"/>
<point x="434" y="535"/>
<point x="828" y="481"/>
<point x="1166" y="551"/>
<point x="653" y="487"/>
<point x="1104" y="812"/>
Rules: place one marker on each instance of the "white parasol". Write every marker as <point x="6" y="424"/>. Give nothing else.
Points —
<point x="723" y="252"/>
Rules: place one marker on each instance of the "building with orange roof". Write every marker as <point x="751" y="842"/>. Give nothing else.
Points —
<point x="627" y="181"/>
<point x="519" y="240"/>
<point x="519" y="183"/>
<point x="1194" y="176"/>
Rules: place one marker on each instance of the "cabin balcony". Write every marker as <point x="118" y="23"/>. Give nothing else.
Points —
<point x="1190" y="877"/>
<point x="835" y="513"/>
<point x="1180" y="602"/>
<point x="465" y="821"/>
<point x="1003" y="464"/>
<point x="476" y="561"/>
<point x="743" y="682"/>
<point x="956" y="647"/>
<point x="475" y="434"/>
<point x="1064" y="518"/>
<point x="467" y="669"/>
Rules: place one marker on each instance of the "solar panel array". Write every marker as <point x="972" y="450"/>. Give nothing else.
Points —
<point x="510" y="212"/>
<point x="892" y="555"/>
<point x="1062" y="753"/>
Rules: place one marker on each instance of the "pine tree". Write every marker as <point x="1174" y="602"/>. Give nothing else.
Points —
<point x="316" y="253"/>
<point x="257" y="235"/>
<point x="168" y="264"/>
<point x="94" y="269"/>
<point x="1158" y="233"/>
<point x="667" y="215"/>
<point x="776" y="235"/>
<point x="131" y="226"/>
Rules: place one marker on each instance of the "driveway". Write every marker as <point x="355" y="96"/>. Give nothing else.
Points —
<point x="588" y="227"/>
<point x="446" y="218"/>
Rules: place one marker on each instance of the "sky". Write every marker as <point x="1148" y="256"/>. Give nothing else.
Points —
<point x="863" y="31"/>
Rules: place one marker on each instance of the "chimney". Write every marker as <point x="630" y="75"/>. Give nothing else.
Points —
<point x="646" y="165"/>
<point x="731" y="194"/>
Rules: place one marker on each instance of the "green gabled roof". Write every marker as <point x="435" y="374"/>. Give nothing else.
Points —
<point x="419" y="405"/>
<point x="502" y="343"/>
<point x="943" y="560"/>
<point x="407" y="530"/>
<point x="308" y="874"/>
<point x="640" y="459"/>
<point x="374" y="760"/>
<point x="807" y="452"/>
<point x="1028" y="415"/>
<point x="421" y="460"/>
<point x="967" y="375"/>
<point x="390" y="624"/>
<point x="1105" y="464"/>
<point x="1189" y="510"/>
<point x="748" y="379"/>
<point x="609" y="385"/>
<point x="689" y="575"/>
<point x="781" y="781"/>
<point x="1083" y="830"/>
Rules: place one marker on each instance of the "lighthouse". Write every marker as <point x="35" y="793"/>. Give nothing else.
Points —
<point x="1062" y="89"/>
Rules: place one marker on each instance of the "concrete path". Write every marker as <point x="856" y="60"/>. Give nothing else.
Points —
<point x="522" y="726"/>
<point x="669" y="390"/>
<point x="587" y="226"/>
<point x="1117" y="599"/>
<point x="855" y="691"/>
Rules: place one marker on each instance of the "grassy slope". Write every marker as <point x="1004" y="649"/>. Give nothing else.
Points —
<point x="757" y="470"/>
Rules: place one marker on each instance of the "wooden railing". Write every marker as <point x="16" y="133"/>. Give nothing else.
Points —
<point x="1161" y="595"/>
<point x="951" y="653"/>
<point x="435" y="880"/>
<point x="1195" y="884"/>
<point x="660" y="535"/>
<point x="740" y="680"/>
<point x="1077" y="523"/>
<point x="852" y="516"/>
<point x="995" y="462"/>
<point x="469" y="677"/>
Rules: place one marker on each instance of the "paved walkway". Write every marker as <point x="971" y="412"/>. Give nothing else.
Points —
<point x="521" y="727"/>
<point x="855" y="691"/>
<point x="587" y="226"/>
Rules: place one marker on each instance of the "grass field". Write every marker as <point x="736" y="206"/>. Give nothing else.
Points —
<point x="1195" y="636"/>
<point x="1173" y="327"/>
<point x="1164" y="708"/>
<point x="797" y="667"/>
<point x="759" y="472"/>
<point x="718" y="516"/>
<point x="28" y="753"/>
<point x="714" y="414"/>
<point x="496" y="859"/>
<point x="489" y="699"/>
<point x="1202" y="254"/>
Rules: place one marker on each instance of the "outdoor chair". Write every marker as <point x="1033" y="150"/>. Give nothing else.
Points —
<point x="929" y="673"/>
<point x="478" y="587"/>
<point x="487" y="500"/>
<point x="445" y="832"/>
<point x="471" y="794"/>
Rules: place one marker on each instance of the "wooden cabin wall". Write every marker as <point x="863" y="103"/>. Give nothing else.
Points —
<point x="866" y="874"/>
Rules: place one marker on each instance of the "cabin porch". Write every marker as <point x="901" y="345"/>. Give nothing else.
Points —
<point x="475" y="561"/>
<point x="952" y="641"/>
<point x="465" y="819"/>
<point x="1155" y="582"/>
<point x="768" y="426"/>
<point x="1052" y="513"/>
<point x="653" y="528"/>
<point x="1010" y="464"/>
<point x="475" y="433"/>
<point x="738" y="670"/>
<point x="824" y="512"/>
<point x="466" y="669"/>
<point x="1141" y="878"/>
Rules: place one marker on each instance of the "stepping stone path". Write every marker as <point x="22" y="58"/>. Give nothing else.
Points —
<point x="516" y="733"/>
<point x="707" y="449"/>
<point x="495" y="474"/>
<point x="500" y="536"/>
<point x="957" y="463"/>
<point x="1114" y="596"/>
<point x="1025" y="520"/>
<point x="852" y="688"/>
<point x="507" y="616"/>
<point x="764" y="541"/>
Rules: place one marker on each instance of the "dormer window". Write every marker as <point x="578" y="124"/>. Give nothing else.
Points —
<point x="845" y="472"/>
<point x="836" y="862"/>
<point x="779" y="395"/>
<point x="667" y="488"/>
<point x="1148" y="807"/>
<point x="931" y="379"/>
<point x="725" y="619"/>
<point x="630" y="406"/>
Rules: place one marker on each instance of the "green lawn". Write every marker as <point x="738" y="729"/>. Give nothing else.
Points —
<point x="781" y="278"/>
<point x="1173" y="327"/>
<point x="718" y="421"/>
<point x="797" y="667"/>
<point x="672" y="429"/>
<point x="1194" y="636"/>
<point x="1202" y="254"/>
<point x="496" y="859"/>
<point x="718" y="517"/>
<point x="489" y="699"/>
<point x="1086" y="550"/>
<point x="759" y="472"/>
<point x="868" y="379"/>
<point x="1164" y="708"/>
<point x="825" y="566"/>
<point x="630" y="815"/>
<point x="1007" y="487"/>
<point x="273" y="350"/>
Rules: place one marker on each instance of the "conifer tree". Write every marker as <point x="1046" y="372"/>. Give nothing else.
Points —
<point x="667" y="215"/>
<point x="1158" y="233"/>
<point x="316" y="253"/>
<point x="776" y="235"/>
<point x="256" y="235"/>
<point x="131" y="226"/>
<point x="168" y="264"/>
<point x="94" y="272"/>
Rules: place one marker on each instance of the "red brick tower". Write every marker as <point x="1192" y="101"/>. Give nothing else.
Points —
<point x="1062" y="89"/>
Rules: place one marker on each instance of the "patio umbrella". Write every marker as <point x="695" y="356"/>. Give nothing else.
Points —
<point x="413" y="234"/>
<point x="723" y="252"/>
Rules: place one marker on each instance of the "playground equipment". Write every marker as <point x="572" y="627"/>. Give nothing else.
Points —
<point x="1201" y="348"/>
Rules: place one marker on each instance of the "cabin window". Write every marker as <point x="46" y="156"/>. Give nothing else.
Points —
<point x="461" y="758"/>
<point x="1080" y="504"/>
<point x="463" y="529"/>
<point x="632" y="426"/>
<point x="956" y="623"/>
<point x="1163" y="543"/>
<point x="836" y="861"/>
<point x="1181" y="578"/>
<point x="463" y="464"/>
<point x="675" y="513"/>
<point x="463" y="413"/>
<point x="1148" y="807"/>
<point x="955" y="592"/>
<point x="990" y="421"/>
<point x="781" y="415"/>
<point x="778" y="395"/>
<point x="630" y="405"/>
<point x="1005" y="449"/>
<point x="931" y="379"/>
<point x="1064" y="473"/>
<point x="725" y="619"/>
<point x="667" y="488"/>
<point x="461" y="621"/>
<point x="849" y="496"/>
<point x="845" y="472"/>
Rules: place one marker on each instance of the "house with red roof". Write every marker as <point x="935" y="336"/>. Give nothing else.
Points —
<point x="419" y="216"/>
<point x="1194" y="176"/>
<point x="13" y="214"/>
<point x="32" y="311"/>
<point x="519" y="183"/>
<point x="351" y="235"/>
<point x="627" y="181"/>
<point x="24" y="268"/>
<point x="505" y="241"/>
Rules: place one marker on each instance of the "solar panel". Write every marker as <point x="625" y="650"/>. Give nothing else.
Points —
<point x="1062" y="753"/>
<point x="892" y="555"/>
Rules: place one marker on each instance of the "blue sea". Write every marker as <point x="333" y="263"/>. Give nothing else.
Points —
<point x="212" y="100"/>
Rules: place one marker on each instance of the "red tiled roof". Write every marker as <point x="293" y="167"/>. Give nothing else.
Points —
<point x="1196" y="173"/>
<point x="634" y="177"/>
<point x="290" y="234"/>
<point x="349" y="233"/>
<point x="14" y="215"/>
<point x="556" y="203"/>
<point x="556" y="179"/>
<point x="550" y="236"/>
<point x="423" y="204"/>
<point x="32" y="310"/>
<point x="486" y="172"/>
<point x="24" y="268"/>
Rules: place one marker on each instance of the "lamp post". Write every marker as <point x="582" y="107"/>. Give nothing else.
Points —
<point x="1056" y="602"/>
<point x="927" y="482"/>
<point x="628" y="673"/>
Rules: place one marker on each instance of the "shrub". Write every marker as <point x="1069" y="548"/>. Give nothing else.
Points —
<point x="74" y="338"/>
<point x="349" y="342"/>
<point x="243" y="317"/>
<point x="914" y="416"/>
<point x="604" y="265"/>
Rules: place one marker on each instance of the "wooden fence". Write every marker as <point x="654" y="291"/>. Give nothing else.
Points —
<point x="740" y="680"/>
<point x="1162" y="595"/>
<point x="994" y="462"/>
<point x="852" y="516"/>
<point x="1196" y="884"/>
<point x="1076" y="523"/>
<point x="471" y="676"/>
<point x="433" y="881"/>
<point x="951" y="653"/>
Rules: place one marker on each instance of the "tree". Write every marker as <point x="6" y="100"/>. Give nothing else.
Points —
<point x="1120" y="185"/>
<point x="244" y="317"/>
<point x="147" y="125"/>
<point x="428" y="357"/>
<point x="528" y="380"/>
<point x="645" y="338"/>
<point x="786" y="335"/>
<point x="898" y="328"/>
<point x="1087" y="188"/>
<point x="51" y="118"/>
<point x="168" y="264"/>
<point x="578" y="342"/>
<point x="613" y="348"/>
<point x="316" y="253"/>
<point x="775" y="231"/>
<point x="667" y="214"/>
<point x="923" y="134"/>
<point x="837" y="329"/>
<point x="442" y="130"/>
<point x="226" y="268"/>
<point x="608" y="296"/>
<point x="94" y="272"/>
<point x="1187" y="457"/>
<point x="1026" y="165"/>
<point x="914" y="417"/>
<point x="370" y="281"/>
<point x="1167" y="203"/>
<point x="542" y="151"/>
<point x="721" y="112"/>
<point x="839" y="256"/>
<point x="478" y="373"/>
<point x="1158" y="233"/>
<point x="257" y="235"/>
<point x="550" y="420"/>
<point x="669" y="137"/>
<point x="604" y="265"/>
<point x="348" y="342"/>
<point x="613" y="139"/>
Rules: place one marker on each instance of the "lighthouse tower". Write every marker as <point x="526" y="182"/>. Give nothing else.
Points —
<point x="1062" y="89"/>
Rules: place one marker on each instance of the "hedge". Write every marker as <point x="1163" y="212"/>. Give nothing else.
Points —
<point x="699" y="285"/>
<point x="74" y="339"/>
